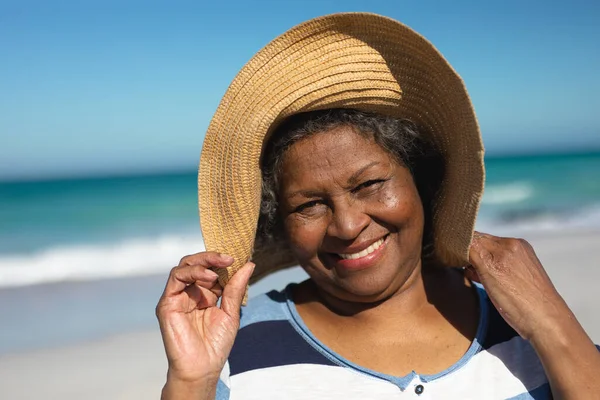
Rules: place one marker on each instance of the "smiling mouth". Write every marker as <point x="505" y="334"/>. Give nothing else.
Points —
<point x="365" y="252"/>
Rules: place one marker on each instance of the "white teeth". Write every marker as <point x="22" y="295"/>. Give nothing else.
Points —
<point x="363" y="253"/>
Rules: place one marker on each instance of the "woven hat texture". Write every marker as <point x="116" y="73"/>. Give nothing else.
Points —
<point x="350" y="60"/>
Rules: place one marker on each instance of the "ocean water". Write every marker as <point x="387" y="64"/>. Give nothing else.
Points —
<point x="86" y="229"/>
<point x="526" y="195"/>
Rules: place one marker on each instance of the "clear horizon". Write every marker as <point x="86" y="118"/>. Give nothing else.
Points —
<point x="192" y="169"/>
<point x="105" y="88"/>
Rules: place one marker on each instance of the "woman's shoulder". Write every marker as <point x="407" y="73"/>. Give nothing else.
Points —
<point x="265" y="307"/>
<point x="269" y="337"/>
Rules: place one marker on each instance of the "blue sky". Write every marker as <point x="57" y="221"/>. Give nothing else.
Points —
<point x="129" y="86"/>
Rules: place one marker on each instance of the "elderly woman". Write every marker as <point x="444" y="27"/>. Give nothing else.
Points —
<point x="349" y="146"/>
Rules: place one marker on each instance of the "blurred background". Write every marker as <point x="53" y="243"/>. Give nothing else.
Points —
<point x="103" y="109"/>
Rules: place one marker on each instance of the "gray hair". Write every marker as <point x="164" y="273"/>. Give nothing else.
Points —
<point x="399" y="137"/>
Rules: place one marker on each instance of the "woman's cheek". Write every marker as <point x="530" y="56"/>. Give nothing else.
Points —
<point x="398" y="201"/>
<point x="304" y="236"/>
<point x="401" y="206"/>
<point x="389" y="199"/>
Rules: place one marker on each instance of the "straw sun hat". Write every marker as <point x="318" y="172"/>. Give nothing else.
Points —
<point x="350" y="60"/>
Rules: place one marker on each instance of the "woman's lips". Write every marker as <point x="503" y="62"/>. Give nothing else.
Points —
<point x="359" y="263"/>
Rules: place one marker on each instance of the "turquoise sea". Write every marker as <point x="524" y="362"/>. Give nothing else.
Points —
<point x="132" y="225"/>
<point x="86" y="258"/>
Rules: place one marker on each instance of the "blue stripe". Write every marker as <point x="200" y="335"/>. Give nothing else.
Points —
<point x="541" y="393"/>
<point x="271" y="344"/>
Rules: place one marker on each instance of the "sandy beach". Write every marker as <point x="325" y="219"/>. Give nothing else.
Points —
<point x="132" y="365"/>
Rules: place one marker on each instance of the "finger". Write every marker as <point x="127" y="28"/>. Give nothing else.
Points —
<point x="183" y="276"/>
<point x="201" y="297"/>
<point x="217" y="289"/>
<point x="481" y="250"/>
<point x="234" y="291"/>
<point x="487" y="237"/>
<point x="212" y="293"/>
<point x="471" y="274"/>
<point x="207" y="259"/>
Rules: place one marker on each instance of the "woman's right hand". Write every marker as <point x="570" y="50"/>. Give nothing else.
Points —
<point x="197" y="334"/>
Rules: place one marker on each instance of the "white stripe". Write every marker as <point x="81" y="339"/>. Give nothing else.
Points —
<point x="225" y="375"/>
<point x="505" y="370"/>
<point x="310" y="381"/>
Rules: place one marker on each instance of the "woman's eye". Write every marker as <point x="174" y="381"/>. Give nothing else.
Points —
<point x="367" y="184"/>
<point x="307" y="206"/>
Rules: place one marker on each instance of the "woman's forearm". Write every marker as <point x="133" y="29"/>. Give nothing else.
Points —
<point x="570" y="359"/>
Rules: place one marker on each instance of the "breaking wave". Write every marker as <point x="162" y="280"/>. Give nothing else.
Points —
<point x="130" y="257"/>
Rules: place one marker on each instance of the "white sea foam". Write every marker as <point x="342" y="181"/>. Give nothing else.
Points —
<point x="514" y="192"/>
<point x="87" y="262"/>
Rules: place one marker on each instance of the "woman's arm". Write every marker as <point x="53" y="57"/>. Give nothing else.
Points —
<point x="570" y="358"/>
<point x="522" y="292"/>
<point x="197" y="332"/>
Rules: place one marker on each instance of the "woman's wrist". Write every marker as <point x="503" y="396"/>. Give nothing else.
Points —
<point x="549" y="320"/>
<point x="562" y="339"/>
<point x="201" y="388"/>
<point x="556" y="327"/>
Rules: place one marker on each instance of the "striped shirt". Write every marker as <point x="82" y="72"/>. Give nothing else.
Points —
<point x="275" y="356"/>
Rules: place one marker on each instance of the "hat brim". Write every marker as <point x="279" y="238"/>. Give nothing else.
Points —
<point x="350" y="60"/>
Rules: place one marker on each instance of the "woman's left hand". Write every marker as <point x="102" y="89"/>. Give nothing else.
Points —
<point x="523" y="294"/>
<point x="517" y="284"/>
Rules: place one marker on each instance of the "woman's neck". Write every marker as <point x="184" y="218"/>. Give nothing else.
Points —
<point x="427" y="293"/>
<point x="427" y="326"/>
<point x="407" y="299"/>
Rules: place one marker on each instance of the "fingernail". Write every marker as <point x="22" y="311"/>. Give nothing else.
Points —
<point x="252" y="267"/>
<point x="226" y="257"/>
<point x="212" y="273"/>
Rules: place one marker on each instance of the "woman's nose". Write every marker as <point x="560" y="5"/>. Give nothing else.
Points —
<point x="347" y="221"/>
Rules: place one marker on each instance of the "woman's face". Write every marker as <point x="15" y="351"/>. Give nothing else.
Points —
<point x="352" y="215"/>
